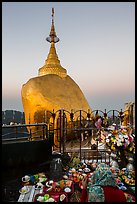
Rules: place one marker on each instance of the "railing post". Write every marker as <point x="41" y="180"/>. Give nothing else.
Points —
<point x="30" y="137"/>
<point x="16" y="131"/>
<point x="13" y="116"/>
<point x="54" y="131"/>
<point x="60" y="111"/>
<point x="131" y="115"/>
<point x="121" y="113"/>
<point x="29" y="118"/>
<point x="80" y="134"/>
<point x="113" y="116"/>
<point x="63" y="132"/>
<point x="43" y="132"/>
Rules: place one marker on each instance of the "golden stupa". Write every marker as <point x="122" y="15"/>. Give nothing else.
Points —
<point x="52" y="88"/>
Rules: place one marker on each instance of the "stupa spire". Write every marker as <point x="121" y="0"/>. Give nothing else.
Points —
<point x="52" y="63"/>
<point x="52" y="36"/>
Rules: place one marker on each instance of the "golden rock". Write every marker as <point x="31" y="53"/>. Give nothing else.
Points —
<point x="50" y="92"/>
<point x="52" y="89"/>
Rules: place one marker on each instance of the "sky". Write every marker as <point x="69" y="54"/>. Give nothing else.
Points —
<point x="96" y="47"/>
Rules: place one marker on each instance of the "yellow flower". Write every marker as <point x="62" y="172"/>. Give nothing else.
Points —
<point x="112" y="147"/>
<point x="112" y="139"/>
<point x="130" y="149"/>
<point x="117" y="136"/>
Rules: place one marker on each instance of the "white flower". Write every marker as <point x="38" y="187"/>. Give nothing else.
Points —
<point x="114" y="124"/>
<point x="122" y="139"/>
<point x="115" y="141"/>
<point x="111" y="128"/>
<point x="119" y="143"/>
<point x="109" y="135"/>
<point x="107" y="140"/>
<point x="125" y="136"/>
<point x="122" y="127"/>
<point x="120" y="136"/>
<point x="128" y="142"/>
<point x="131" y="137"/>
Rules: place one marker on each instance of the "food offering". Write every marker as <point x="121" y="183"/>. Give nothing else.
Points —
<point x="127" y="177"/>
<point x="73" y="175"/>
<point x="41" y="175"/>
<point x="89" y="175"/>
<point x="77" y="176"/>
<point x="67" y="190"/>
<point x="75" y="163"/>
<point x="42" y="179"/>
<point x="51" y="197"/>
<point x="62" y="197"/>
<point x="24" y="190"/>
<point x="65" y="177"/>
<point x="49" y="183"/>
<point x="87" y="170"/>
<point x="80" y="170"/>
<point x="39" y="186"/>
<point x="59" y="186"/>
<point x="122" y="186"/>
<point x="34" y="179"/>
<point x="26" y="178"/>
<point x="129" y="181"/>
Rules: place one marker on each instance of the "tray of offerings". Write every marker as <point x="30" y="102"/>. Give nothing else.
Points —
<point x="59" y="186"/>
<point x="51" y="197"/>
<point x="129" y="181"/>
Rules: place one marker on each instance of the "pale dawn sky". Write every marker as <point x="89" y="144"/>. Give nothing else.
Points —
<point x="96" y="47"/>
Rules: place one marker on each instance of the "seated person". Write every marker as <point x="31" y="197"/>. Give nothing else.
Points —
<point x="102" y="187"/>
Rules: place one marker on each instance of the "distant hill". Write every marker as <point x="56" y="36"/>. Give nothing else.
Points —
<point x="12" y="116"/>
<point x="9" y="116"/>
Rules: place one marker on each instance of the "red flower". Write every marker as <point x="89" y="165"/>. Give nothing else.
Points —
<point x="130" y="138"/>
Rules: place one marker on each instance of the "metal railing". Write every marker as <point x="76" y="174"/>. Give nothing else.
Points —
<point x="63" y="125"/>
<point x="102" y="155"/>
<point x="23" y="132"/>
